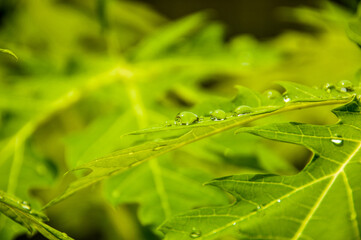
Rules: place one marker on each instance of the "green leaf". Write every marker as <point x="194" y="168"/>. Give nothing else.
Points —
<point x="162" y="189"/>
<point x="326" y="193"/>
<point x="303" y="97"/>
<point x="22" y="213"/>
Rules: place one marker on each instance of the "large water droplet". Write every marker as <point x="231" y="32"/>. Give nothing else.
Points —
<point x="286" y="98"/>
<point x="337" y="140"/>
<point x="344" y="86"/>
<point x="186" y="118"/>
<point x="242" y="110"/>
<point x="195" y="233"/>
<point x="272" y="94"/>
<point x="218" y="115"/>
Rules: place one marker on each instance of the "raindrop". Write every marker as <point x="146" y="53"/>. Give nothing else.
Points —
<point x="328" y="87"/>
<point x="186" y="118"/>
<point x="234" y="223"/>
<point x="25" y="205"/>
<point x="344" y="86"/>
<point x="337" y="141"/>
<point x="156" y="148"/>
<point x="278" y="200"/>
<point x="272" y="94"/>
<point x="242" y="110"/>
<point x="168" y="123"/>
<point x="286" y="98"/>
<point x="218" y="115"/>
<point x="195" y="233"/>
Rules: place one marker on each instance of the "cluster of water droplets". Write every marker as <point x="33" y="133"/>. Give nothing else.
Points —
<point x="189" y="118"/>
<point x="342" y="86"/>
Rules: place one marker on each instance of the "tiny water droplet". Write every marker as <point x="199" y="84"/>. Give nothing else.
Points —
<point x="195" y="233"/>
<point x="259" y="207"/>
<point x="278" y="200"/>
<point x="156" y="148"/>
<point x="186" y="118"/>
<point x="337" y="141"/>
<point x="344" y="86"/>
<point x="272" y="94"/>
<point x="286" y="98"/>
<point x="242" y="110"/>
<point x="234" y="223"/>
<point x="130" y="153"/>
<point x="218" y="115"/>
<point x="328" y="87"/>
<point x="168" y="123"/>
<point x="353" y="216"/>
<point x="25" y="205"/>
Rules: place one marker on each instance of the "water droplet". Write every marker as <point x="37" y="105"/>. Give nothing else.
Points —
<point x="25" y="205"/>
<point x="234" y="223"/>
<point x="278" y="200"/>
<point x="156" y="148"/>
<point x="286" y="98"/>
<point x="195" y="233"/>
<point x="130" y="153"/>
<point x="218" y="115"/>
<point x="242" y="110"/>
<point x="328" y="87"/>
<point x="186" y="118"/>
<point x="337" y="141"/>
<point x="272" y="94"/>
<point x="168" y="123"/>
<point x="344" y="86"/>
<point x="353" y="216"/>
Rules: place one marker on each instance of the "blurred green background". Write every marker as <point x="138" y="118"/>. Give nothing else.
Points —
<point x="90" y="71"/>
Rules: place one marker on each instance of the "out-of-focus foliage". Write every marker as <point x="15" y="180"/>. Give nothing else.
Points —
<point x="90" y="72"/>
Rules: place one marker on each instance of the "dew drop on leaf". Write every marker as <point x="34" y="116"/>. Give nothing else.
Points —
<point x="328" y="87"/>
<point x="242" y="110"/>
<point x="337" y="141"/>
<point x="344" y="86"/>
<point x="168" y="123"/>
<point x="186" y="118"/>
<point x="272" y="94"/>
<point x="25" y="205"/>
<point x="234" y="223"/>
<point x="218" y="115"/>
<point x="278" y="200"/>
<point x="195" y="233"/>
<point x="286" y="98"/>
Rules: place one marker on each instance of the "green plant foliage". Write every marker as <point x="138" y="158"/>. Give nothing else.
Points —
<point x="22" y="213"/>
<point x="112" y="95"/>
<point x="279" y="207"/>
